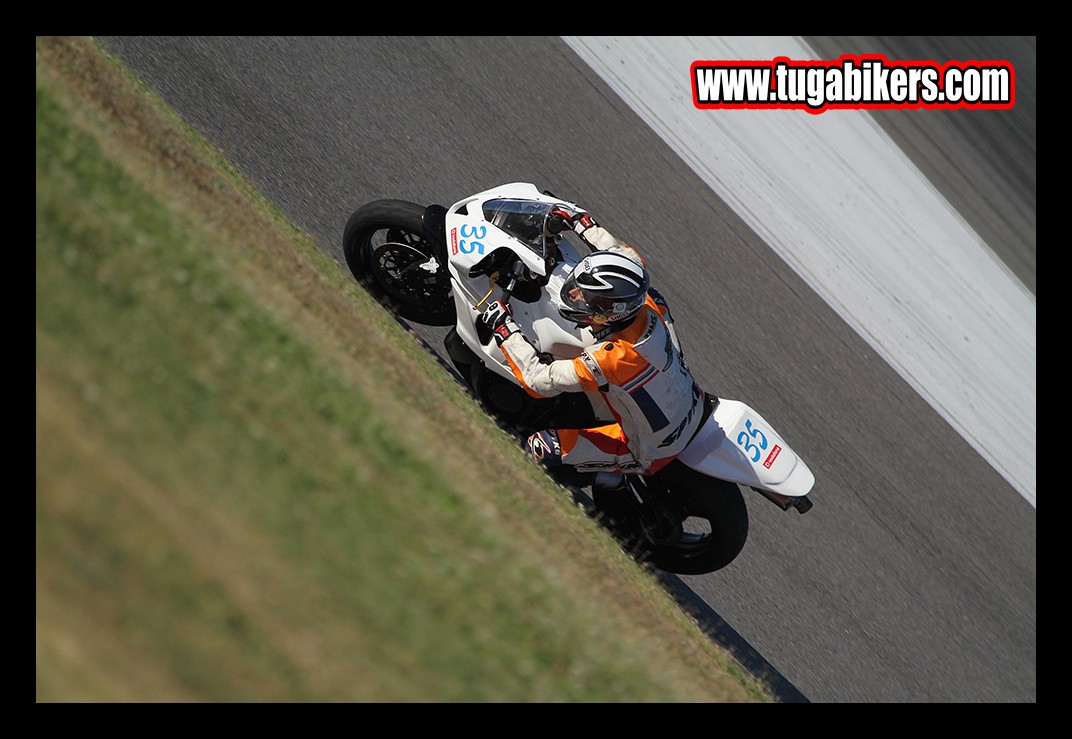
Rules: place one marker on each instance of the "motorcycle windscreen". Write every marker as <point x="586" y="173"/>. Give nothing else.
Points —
<point x="522" y="219"/>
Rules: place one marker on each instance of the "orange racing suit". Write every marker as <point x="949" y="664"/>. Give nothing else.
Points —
<point x="639" y="371"/>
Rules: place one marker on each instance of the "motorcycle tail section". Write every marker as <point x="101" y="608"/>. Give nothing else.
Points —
<point x="739" y="445"/>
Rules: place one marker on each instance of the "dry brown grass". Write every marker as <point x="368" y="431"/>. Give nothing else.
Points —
<point x="226" y="508"/>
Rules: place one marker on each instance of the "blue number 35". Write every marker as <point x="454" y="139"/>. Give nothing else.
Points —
<point x="468" y="247"/>
<point x="745" y="441"/>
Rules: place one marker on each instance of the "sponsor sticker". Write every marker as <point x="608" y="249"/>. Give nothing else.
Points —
<point x="772" y="456"/>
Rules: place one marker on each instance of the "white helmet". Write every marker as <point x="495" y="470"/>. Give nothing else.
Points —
<point x="605" y="287"/>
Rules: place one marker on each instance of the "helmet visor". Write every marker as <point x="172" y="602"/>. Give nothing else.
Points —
<point x="583" y="305"/>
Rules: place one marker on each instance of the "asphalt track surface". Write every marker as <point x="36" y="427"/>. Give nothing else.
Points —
<point x="913" y="577"/>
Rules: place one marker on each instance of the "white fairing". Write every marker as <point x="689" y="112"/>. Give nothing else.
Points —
<point x="470" y="237"/>
<point x="738" y="445"/>
<point x="540" y="322"/>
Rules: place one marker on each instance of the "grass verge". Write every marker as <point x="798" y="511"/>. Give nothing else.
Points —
<point x="253" y="485"/>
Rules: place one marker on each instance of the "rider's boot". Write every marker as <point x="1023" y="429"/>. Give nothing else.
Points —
<point x="609" y="482"/>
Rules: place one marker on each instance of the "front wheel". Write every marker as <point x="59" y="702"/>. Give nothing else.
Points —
<point x="390" y="251"/>
<point x="678" y="520"/>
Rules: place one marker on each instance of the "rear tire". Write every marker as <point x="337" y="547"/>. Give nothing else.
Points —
<point x="691" y="524"/>
<point x="389" y="251"/>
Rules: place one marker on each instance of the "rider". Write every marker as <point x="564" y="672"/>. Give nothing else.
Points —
<point x="636" y="365"/>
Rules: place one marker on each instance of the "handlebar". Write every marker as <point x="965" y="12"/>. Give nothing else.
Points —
<point x="519" y="270"/>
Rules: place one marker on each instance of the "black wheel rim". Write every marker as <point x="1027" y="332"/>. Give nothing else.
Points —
<point x="405" y="267"/>
<point x="668" y="525"/>
<point x="672" y="523"/>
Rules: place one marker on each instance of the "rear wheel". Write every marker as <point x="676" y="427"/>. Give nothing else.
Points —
<point x="389" y="251"/>
<point x="683" y="522"/>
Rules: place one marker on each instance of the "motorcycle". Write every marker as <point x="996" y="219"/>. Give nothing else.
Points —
<point x="440" y="266"/>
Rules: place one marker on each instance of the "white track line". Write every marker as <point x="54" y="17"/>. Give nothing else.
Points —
<point x="842" y="205"/>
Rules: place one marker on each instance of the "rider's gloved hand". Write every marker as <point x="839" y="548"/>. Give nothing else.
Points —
<point x="559" y="219"/>
<point x="582" y="222"/>
<point x="500" y="320"/>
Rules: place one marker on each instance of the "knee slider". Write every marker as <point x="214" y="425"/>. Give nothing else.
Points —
<point x="545" y="448"/>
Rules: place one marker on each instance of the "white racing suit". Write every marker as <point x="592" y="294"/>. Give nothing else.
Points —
<point x="639" y="371"/>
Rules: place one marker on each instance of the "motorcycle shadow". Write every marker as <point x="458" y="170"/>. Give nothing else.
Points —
<point x="709" y="621"/>
<point x="724" y="635"/>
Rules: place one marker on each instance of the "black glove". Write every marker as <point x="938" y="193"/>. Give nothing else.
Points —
<point x="500" y="320"/>
<point x="557" y="220"/>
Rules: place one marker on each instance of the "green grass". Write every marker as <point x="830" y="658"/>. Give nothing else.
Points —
<point x="253" y="485"/>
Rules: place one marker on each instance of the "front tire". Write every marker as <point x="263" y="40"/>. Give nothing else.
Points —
<point x="390" y="252"/>
<point x="689" y="523"/>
